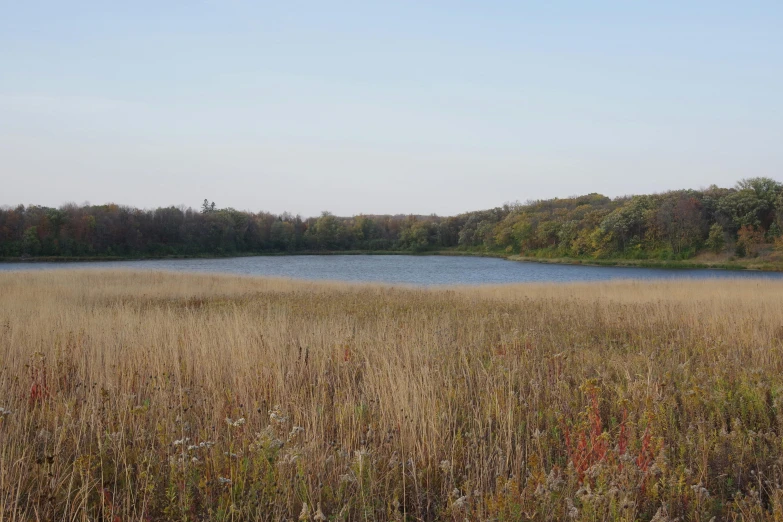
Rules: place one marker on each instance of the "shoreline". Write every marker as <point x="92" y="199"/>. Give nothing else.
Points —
<point x="748" y="265"/>
<point x="759" y="266"/>
<point x="99" y="259"/>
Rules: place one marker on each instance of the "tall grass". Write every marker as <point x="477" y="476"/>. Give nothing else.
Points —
<point x="151" y="396"/>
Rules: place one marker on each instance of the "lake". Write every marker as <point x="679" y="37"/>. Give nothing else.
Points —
<point x="414" y="270"/>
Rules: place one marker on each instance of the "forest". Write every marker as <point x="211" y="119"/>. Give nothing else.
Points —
<point x="739" y="221"/>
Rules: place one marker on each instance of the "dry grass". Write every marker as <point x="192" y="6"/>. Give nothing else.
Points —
<point x="143" y="396"/>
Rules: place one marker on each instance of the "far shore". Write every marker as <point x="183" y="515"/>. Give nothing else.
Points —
<point x="757" y="264"/>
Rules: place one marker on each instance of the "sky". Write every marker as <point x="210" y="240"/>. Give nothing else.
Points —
<point x="390" y="107"/>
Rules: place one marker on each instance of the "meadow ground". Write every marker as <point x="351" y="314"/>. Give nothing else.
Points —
<point x="149" y="396"/>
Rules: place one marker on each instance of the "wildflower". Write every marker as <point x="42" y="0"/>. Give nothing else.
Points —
<point x="180" y="442"/>
<point x="553" y="480"/>
<point x="224" y="481"/>
<point x="348" y="478"/>
<point x="584" y="491"/>
<point x="393" y="462"/>
<point x="445" y="466"/>
<point x="662" y="515"/>
<point x="201" y="445"/>
<point x="572" y="511"/>
<point x="237" y="423"/>
<point x="276" y="415"/>
<point x="296" y="430"/>
<point x="194" y="460"/>
<point x="4" y="412"/>
<point x="305" y="514"/>
<point x="461" y="502"/>
<point x="319" y="515"/>
<point x="230" y="455"/>
<point x="700" y="490"/>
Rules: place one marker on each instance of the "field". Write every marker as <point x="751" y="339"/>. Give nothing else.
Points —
<point x="149" y="396"/>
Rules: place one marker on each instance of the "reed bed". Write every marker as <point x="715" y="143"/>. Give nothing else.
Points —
<point x="158" y="396"/>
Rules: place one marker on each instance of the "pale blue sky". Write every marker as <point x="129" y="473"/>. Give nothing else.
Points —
<point x="383" y="107"/>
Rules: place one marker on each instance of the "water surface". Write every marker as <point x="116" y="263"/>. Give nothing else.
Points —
<point x="415" y="270"/>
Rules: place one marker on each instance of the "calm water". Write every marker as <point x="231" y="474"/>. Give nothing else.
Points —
<point x="416" y="270"/>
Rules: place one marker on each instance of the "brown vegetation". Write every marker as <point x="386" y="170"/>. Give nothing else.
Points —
<point x="144" y="396"/>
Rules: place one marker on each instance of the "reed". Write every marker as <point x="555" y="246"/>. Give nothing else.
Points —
<point x="159" y="396"/>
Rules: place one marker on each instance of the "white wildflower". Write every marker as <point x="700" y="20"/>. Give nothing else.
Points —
<point x="348" y="478"/>
<point x="445" y="466"/>
<point x="553" y="480"/>
<point x="296" y="430"/>
<point x="224" y="481"/>
<point x="662" y="515"/>
<point x="237" y="423"/>
<point x="700" y="490"/>
<point x="319" y="514"/>
<point x="180" y="442"/>
<point x="572" y="511"/>
<point x="305" y="514"/>
<point x="275" y="415"/>
<point x="461" y="502"/>
<point x="4" y="412"/>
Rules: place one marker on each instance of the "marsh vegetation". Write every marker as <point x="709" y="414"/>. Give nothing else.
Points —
<point x="152" y="396"/>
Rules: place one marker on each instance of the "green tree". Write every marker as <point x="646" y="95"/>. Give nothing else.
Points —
<point x="716" y="240"/>
<point x="31" y="245"/>
<point x="207" y="207"/>
<point x="329" y="232"/>
<point x="774" y="232"/>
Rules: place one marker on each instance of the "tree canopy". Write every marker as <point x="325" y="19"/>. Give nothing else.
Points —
<point x="675" y="224"/>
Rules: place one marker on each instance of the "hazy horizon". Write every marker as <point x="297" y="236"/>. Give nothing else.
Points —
<point x="383" y="109"/>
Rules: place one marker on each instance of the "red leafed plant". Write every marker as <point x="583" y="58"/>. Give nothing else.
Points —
<point x="39" y="390"/>
<point x="588" y="446"/>
<point x="588" y="443"/>
<point x="108" y="505"/>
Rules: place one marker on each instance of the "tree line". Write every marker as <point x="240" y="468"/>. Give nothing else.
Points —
<point x="671" y="225"/>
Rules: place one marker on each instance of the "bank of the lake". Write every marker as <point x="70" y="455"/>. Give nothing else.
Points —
<point x="738" y="264"/>
<point x="765" y="264"/>
<point x="91" y="259"/>
<point x="417" y="270"/>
